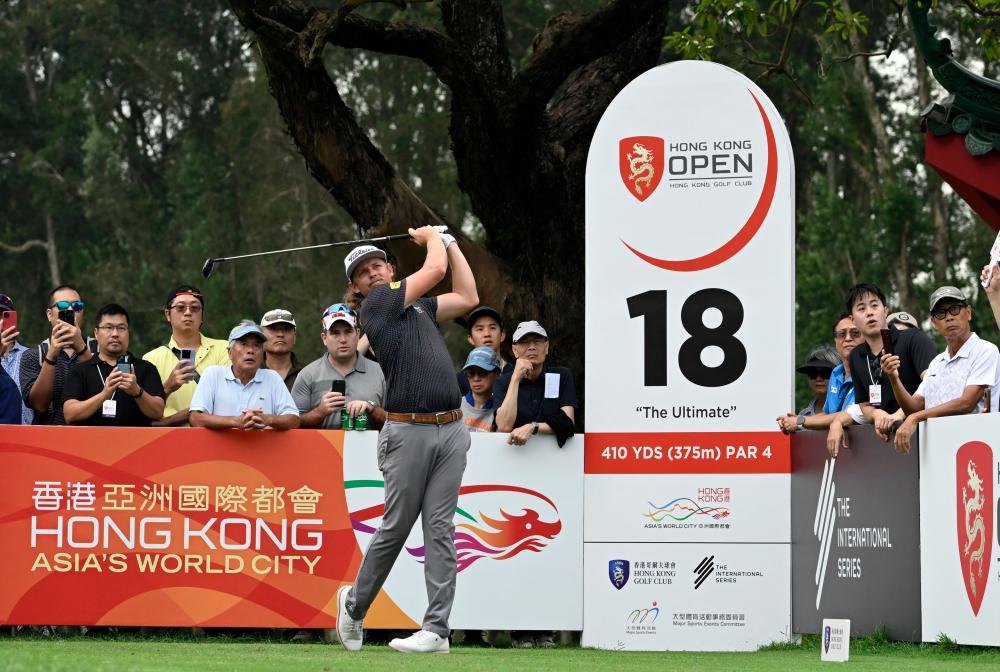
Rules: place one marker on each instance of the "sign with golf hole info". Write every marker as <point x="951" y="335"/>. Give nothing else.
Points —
<point x="689" y="346"/>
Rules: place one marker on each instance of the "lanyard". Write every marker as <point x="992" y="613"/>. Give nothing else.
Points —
<point x="868" y="365"/>
<point x="101" y="375"/>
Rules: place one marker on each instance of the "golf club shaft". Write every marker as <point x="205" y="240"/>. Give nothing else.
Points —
<point x="396" y="236"/>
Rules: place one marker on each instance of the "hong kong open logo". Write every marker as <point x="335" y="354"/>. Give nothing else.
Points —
<point x="640" y="161"/>
<point x="974" y="490"/>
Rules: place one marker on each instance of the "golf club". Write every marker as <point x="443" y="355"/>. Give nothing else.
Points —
<point x="210" y="263"/>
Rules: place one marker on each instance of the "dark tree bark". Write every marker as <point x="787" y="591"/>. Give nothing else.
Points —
<point x="520" y="137"/>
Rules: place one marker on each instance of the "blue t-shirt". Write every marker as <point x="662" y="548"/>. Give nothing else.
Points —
<point x="840" y="392"/>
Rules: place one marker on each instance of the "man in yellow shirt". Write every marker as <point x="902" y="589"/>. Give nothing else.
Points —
<point x="185" y="312"/>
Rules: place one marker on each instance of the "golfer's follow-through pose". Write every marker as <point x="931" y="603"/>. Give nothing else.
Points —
<point x="423" y="445"/>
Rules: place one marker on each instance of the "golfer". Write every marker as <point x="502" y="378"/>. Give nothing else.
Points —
<point x="422" y="447"/>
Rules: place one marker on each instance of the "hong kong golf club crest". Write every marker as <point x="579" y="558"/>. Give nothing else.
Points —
<point x="974" y="494"/>
<point x="618" y="573"/>
<point x="640" y="161"/>
<point x="826" y="639"/>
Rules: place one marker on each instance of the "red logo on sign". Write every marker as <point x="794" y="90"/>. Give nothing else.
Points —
<point x="640" y="161"/>
<point x="974" y="468"/>
<point x="749" y="229"/>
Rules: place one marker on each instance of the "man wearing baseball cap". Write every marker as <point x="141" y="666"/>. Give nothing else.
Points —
<point x="243" y="395"/>
<point x="482" y="367"/>
<point x="423" y="445"/>
<point x="957" y="378"/>
<point x="279" y="356"/>
<point x="485" y="329"/>
<point x="184" y="311"/>
<point x="902" y="320"/>
<point x="364" y="382"/>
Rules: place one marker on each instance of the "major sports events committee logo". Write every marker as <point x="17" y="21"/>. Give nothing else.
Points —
<point x="974" y="494"/>
<point x="618" y="572"/>
<point x="703" y="571"/>
<point x="642" y="621"/>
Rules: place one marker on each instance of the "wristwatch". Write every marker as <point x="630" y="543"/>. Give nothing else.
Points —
<point x="800" y="422"/>
<point x="136" y="396"/>
<point x="534" y="428"/>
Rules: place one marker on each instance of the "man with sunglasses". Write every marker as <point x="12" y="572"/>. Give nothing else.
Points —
<point x="957" y="378"/>
<point x="44" y="369"/>
<point x="185" y="313"/>
<point x="10" y="361"/>
<point x="364" y="382"/>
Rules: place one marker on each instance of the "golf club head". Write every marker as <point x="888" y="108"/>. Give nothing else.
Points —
<point x="206" y="270"/>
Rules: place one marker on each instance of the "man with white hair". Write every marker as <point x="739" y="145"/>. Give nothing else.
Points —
<point x="243" y="395"/>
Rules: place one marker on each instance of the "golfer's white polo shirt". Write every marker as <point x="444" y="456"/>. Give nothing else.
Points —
<point x="220" y="392"/>
<point x="977" y="362"/>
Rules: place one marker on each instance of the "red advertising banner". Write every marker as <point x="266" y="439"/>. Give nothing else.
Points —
<point x="176" y="527"/>
<point x="687" y="453"/>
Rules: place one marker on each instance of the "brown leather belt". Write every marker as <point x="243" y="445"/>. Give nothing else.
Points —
<point x="443" y="418"/>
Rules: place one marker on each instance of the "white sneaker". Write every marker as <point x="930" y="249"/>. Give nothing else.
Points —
<point x="421" y="642"/>
<point x="349" y="631"/>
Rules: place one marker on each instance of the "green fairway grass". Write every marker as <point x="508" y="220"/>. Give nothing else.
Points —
<point x="216" y="653"/>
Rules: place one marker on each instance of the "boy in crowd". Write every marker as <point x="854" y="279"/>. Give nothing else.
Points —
<point x="482" y="367"/>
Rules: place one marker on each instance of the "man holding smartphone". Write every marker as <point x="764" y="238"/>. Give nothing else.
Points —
<point x="422" y="447"/>
<point x="186" y="356"/>
<point x="44" y="369"/>
<point x="113" y="389"/>
<point x="340" y="378"/>
<point x="10" y="360"/>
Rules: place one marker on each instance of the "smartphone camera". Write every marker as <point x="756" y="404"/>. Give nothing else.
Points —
<point x="68" y="316"/>
<point x="123" y="364"/>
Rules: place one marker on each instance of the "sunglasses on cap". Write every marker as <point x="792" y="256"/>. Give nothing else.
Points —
<point x="338" y="308"/>
<point x="77" y="306"/>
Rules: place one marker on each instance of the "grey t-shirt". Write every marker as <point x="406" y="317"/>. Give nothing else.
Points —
<point x="420" y="377"/>
<point x="364" y="382"/>
<point x="477" y="419"/>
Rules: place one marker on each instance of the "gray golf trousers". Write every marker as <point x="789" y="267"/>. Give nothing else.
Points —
<point x="422" y="466"/>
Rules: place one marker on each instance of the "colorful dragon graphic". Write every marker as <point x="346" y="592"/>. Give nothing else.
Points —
<point x="682" y="508"/>
<point x="498" y="538"/>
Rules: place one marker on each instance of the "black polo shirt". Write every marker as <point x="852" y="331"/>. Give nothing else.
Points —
<point x="85" y="380"/>
<point x="915" y="350"/>
<point x="532" y="403"/>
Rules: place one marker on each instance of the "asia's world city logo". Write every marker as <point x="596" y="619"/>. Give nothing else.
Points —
<point x="684" y="512"/>
<point x="618" y="571"/>
<point x="974" y="495"/>
<point x="519" y="520"/>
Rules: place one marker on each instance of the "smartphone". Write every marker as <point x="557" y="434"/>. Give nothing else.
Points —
<point x="9" y="320"/>
<point x="339" y="386"/>
<point x="123" y="364"/>
<point x="887" y="341"/>
<point x="188" y="354"/>
<point x="68" y="316"/>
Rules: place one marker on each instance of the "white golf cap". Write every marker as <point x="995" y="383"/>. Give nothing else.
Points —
<point x="338" y="312"/>
<point x="359" y="254"/>
<point x="529" y="327"/>
<point x="278" y="316"/>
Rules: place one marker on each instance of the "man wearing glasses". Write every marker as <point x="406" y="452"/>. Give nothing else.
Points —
<point x="183" y="360"/>
<point x="957" y="378"/>
<point x="364" y="382"/>
<point x="44" y="369"/>
<point x="102" y="392"/>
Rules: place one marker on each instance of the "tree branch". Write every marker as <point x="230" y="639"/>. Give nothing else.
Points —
<point x="23" y="247"/>
<point x="891" y="44"/>
<point x="981" y="11"/>
<point x="786" y="49"/>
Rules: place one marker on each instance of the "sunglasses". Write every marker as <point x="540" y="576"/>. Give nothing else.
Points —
<point x="817" y="374"/>
<point x="338" y="308"/>
<point x="842" y="334"/>
<point x="6" y="302"/>
<point x="77" y="306"/>
<point x="953" y="310"/>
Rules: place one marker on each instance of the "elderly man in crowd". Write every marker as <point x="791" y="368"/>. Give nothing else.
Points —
<point x="362" y="380"/>
<point x="243" y="395"/>
<point x="44" y="369"/>
<point x="281" y="331"/>
<point x="113" y="388"/>
<point x="187" y="355"/>
<point x="957" y="378"/>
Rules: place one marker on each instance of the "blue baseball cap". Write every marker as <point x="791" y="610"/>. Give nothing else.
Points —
<point x="483" y="357"/>
<point x="245" y="329"/>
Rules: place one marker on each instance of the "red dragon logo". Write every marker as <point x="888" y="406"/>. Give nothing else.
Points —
<point x="640" y="162"/>
<point x="975" y="517"/>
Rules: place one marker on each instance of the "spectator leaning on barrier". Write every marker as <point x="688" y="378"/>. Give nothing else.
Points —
<point x="872" y="389"/>
<point x="902" y="320"/>
<point x="485" y="329"/>
<point x="281" y="331"/>
<point x="957" y="378"/>
<point x="840" y="390"/>
<point x="482" y="367"/>
<point x="185" y="312"/>
<point x="10" y="360"/>
<point x="243" y="395"/>
<point x="98" y="393"/>
<point x="44" y="369"/>
<point x="364" y="381"/>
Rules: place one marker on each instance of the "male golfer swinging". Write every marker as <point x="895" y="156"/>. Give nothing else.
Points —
<point x="422" y="447"/>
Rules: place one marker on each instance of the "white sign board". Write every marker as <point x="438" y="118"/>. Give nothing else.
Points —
<point x="690" y="298"/>
<point x="836" y="640"/>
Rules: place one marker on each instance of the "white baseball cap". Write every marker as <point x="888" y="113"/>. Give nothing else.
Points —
<point x="359" y="254"/>
<point x="339" y="312"/>
<point x="278" y="316"/>
<point x="529" y="327"/>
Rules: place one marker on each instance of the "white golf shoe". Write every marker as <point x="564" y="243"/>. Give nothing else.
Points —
<point x="349" y="631"/>
<point x="421" y="642"/>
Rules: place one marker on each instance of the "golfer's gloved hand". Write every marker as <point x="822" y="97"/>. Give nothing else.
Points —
<point x="448" y="240"/>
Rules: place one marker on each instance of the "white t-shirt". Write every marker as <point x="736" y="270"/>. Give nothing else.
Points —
<point x="977" y="362"/>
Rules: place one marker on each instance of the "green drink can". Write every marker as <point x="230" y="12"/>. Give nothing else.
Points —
<point x="346" y="421"/>
<point x="361" y="422"/>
